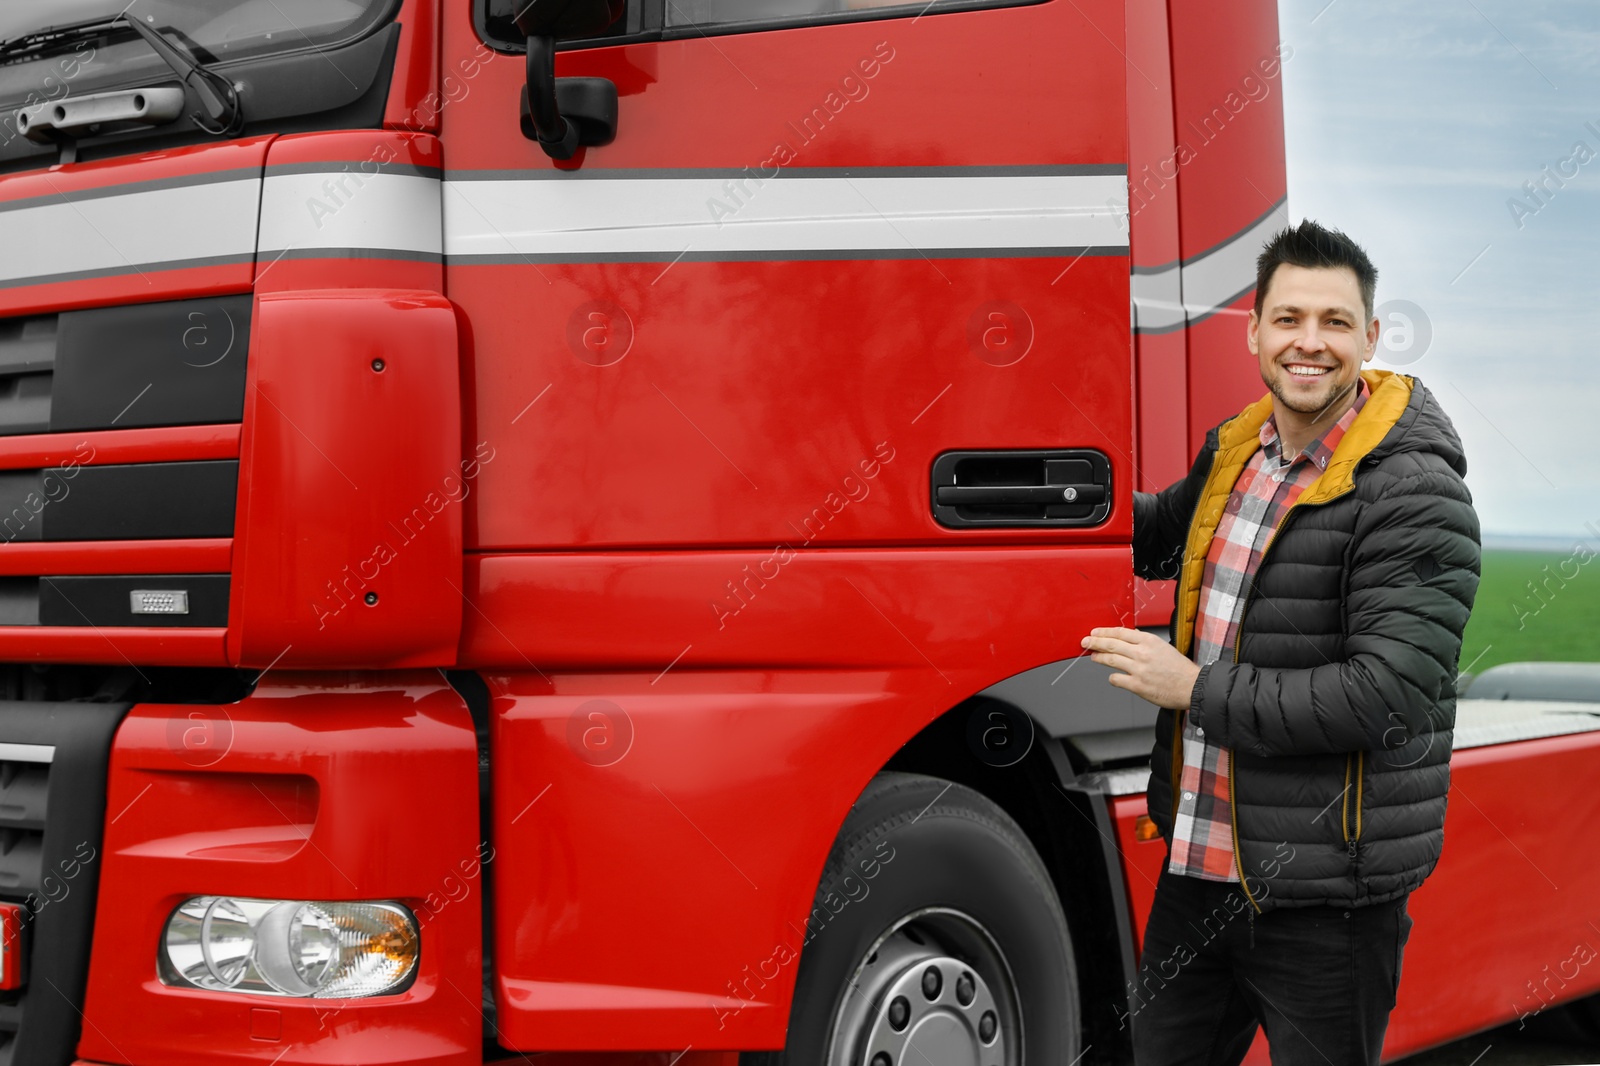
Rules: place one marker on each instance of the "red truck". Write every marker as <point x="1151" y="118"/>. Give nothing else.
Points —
<point x="565" y="527"/>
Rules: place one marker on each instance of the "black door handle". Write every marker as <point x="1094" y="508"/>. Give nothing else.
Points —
<point x="1058" y="488"/>
<point x="980" y="495"/>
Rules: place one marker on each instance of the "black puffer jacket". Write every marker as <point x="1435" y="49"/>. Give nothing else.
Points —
<point x="1340" y="699"/>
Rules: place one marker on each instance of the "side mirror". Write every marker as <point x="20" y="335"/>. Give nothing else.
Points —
<point x="562" y="114"/>
<point x="566" y="18"/>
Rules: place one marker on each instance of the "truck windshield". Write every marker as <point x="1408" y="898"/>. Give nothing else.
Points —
<point x="218" y="29"/>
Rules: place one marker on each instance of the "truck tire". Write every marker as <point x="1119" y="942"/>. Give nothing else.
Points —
<point x="935" y="930"/>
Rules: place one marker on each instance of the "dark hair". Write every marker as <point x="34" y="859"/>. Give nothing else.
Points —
<point x="1310" y="245"/>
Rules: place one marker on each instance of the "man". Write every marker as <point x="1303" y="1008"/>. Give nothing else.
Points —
<point x="1327" y="556"/>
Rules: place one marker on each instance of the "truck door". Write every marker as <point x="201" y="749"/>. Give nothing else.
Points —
<point x="839" y="256"/>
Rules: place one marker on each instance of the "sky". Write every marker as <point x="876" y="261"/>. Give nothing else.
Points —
<point x="1413" y="126"/>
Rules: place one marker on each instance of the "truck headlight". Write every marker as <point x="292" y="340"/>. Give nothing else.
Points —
<point x="278" y="947"/>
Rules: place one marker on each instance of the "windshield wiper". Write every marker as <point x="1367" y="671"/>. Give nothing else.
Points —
<point x="224" y="113"/>
<point x="218" y="98"/>
<point x="53" y="37"/>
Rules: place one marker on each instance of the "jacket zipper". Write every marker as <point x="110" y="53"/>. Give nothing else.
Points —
<point x="1361" y="766"/>
<point x="1352" y="836"/>
<point x="1238" y="862"/>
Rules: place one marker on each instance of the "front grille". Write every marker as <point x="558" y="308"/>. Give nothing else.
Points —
<point x="161" y="364"/>
<point x="100" y="371"/>
<point x="131" y="501"/>
<point x="53" y="759"/>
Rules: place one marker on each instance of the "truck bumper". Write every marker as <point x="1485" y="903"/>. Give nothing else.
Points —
<point x="315" y="787"/>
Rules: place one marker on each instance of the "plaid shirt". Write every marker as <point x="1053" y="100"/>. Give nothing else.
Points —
<point x="1202" y="833"/>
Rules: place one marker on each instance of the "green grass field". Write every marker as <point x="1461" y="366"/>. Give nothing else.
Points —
<point x="1511" y="624"/>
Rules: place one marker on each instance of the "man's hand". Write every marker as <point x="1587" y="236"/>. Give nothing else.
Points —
<point x="1155" y="670"/>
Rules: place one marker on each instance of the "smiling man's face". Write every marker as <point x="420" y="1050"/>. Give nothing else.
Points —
<point x="1311" y="338"/>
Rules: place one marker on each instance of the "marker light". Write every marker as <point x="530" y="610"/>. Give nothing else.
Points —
<point x="159" y="601"/>
<point x="289" y="948"/>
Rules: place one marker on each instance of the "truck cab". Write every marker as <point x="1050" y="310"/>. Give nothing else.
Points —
<point x="566" y="528"/>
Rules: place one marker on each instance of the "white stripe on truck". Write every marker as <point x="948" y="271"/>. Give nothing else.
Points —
<point x="72" y="237"/>
<point x="346" y="210"/>
<point x="305" y="215"/>
<point x="724" y="217"/>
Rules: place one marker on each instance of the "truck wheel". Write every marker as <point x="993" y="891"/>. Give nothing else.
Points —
<point x="936" y="937"/>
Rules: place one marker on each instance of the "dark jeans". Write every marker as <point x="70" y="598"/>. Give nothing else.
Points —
<point x="1321" y="980"/>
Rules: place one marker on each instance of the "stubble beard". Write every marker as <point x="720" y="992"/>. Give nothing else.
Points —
<point x="1335" y="394"/>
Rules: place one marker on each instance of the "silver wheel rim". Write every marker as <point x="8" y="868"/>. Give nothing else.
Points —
<point x="934" y="990"/>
